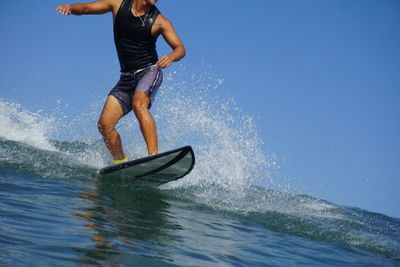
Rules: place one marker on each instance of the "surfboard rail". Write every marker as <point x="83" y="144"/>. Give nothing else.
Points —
<point x="154" y="174"/>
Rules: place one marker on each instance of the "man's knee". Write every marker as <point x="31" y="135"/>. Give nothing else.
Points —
<point x="139" y="105"/>
<point x="104" y="127"/>
<point x="100" y="126"/>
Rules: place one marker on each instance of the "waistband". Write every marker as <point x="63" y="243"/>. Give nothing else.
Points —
<point x="133" y="72"/>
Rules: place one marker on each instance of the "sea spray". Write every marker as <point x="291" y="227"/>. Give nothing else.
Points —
<point x="190" y="109"/>
<point x="20" y="125"/>
<point x="230" y="161"/>
<point x="27" y="146"/>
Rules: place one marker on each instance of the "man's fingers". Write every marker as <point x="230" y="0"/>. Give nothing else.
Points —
<point x="164" y="61"/>
<point x="163" y="64"/>
<point x="64" y="10"/>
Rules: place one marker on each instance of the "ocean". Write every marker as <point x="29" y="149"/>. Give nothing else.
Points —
<point x="56" y="210"/>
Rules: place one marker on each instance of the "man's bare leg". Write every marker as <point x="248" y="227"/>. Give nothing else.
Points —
<point x="111" y="114"/>
<point x="147" y="124"/>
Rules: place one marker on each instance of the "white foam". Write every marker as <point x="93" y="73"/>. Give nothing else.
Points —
<point x="20" y="125"/>
<point x="226" y="142"/>
<point x="229" y="155"/>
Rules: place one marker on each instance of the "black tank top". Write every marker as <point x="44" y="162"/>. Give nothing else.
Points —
<point x="136" y="47"/>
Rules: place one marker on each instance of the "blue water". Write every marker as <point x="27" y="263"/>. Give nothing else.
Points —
<point x="55" y="210"/>
<point x="88" y="220"/>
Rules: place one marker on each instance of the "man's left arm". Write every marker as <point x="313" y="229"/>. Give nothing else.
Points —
<point x="173" y="40"/>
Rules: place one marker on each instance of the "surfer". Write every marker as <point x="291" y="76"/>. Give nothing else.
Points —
<point x="137" y="25"/>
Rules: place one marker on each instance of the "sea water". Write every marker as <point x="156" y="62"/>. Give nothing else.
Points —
<point x="56" y="210"/>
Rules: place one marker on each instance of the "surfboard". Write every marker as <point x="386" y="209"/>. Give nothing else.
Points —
<point x="157" y="169"/>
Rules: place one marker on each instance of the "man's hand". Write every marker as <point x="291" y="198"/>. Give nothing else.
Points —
<point x="64" y="9"/>
<point x="165" y="61"/>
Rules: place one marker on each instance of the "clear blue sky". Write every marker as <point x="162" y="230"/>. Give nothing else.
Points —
<point x="322" y="78"/>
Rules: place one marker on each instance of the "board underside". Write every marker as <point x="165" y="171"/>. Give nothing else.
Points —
<point x="155" y="170"/>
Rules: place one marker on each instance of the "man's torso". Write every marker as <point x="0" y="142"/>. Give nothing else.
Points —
<point x="135" y="41"/>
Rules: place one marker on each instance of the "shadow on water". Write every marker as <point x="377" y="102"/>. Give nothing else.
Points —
<point x="129" y="223"/>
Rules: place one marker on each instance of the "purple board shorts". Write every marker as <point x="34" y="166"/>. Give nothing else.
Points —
<point x="147" y="80"/>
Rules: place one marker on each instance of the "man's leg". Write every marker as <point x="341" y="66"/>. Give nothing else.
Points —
<point x="109" y="117"/>
<point x="147" y="124"/>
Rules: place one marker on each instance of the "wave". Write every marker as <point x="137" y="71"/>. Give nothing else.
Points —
<point x="233" y="174"/>
<point x="299" y="215"/>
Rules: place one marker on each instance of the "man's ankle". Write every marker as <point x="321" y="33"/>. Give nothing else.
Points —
<point x="117" y="161"/>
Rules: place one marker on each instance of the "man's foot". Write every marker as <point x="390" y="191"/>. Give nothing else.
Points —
<point x="118" y="161"/>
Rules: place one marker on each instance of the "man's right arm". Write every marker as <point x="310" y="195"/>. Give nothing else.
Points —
<point x="97" y="7"/>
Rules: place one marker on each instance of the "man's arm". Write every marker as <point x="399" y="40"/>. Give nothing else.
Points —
<point x="97" y="7"/>
<point x="173" y="40"/>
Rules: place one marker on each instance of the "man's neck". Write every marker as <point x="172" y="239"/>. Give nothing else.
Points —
<point x="141" y="6"/>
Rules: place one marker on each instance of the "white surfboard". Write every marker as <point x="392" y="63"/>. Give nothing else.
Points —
<point x="155" y="170"/>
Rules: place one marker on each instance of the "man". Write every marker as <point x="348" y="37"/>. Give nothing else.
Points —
<point x="137" y="25"/>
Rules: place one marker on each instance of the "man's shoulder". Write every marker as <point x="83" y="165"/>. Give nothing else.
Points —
<point x="162" y="19"/>
<point x="114" y="3"/>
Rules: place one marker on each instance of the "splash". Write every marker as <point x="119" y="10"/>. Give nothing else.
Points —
<point x="20" y="125"/>
<point x="191" y="109"/>
<point x="227" y="144"/>
<point x="27" y="144"/>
